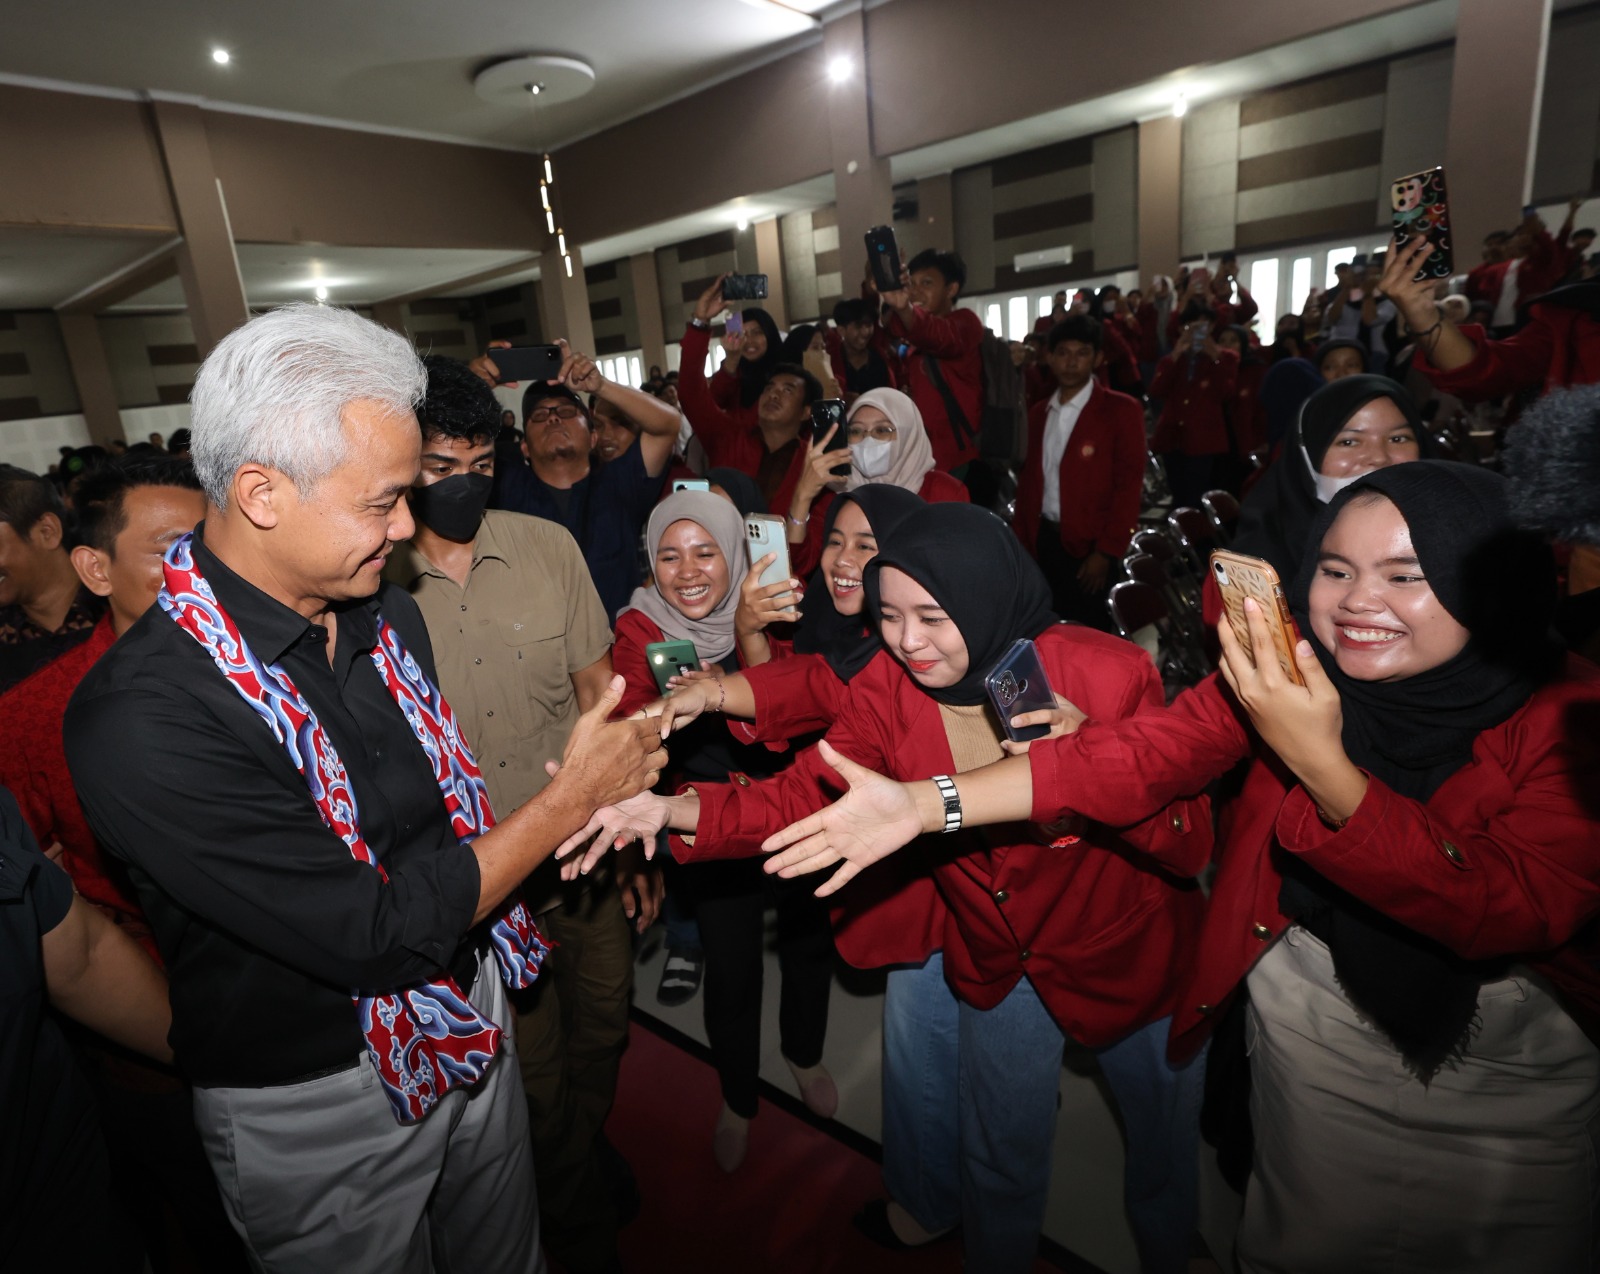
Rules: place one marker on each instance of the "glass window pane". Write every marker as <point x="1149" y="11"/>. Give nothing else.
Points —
<point x="992" y="319"/>
<point x="1299" y="284"/>
<point x="1264" y="287"/>
<point x="1045" y="307"/>
<point x="1017" y="318"/>
<point x="635" y="372"/>
<point x="1338" y="256"/>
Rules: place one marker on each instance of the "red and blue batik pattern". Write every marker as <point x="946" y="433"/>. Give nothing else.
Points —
<point x="427" y="1038"/>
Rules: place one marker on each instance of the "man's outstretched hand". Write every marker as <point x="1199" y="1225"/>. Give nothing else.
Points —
<point x="609" y="761"/>
<point x="875" y="817"/>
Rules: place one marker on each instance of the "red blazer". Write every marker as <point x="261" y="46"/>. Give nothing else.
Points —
<point x="1102" y="476"/>
<point x="1557" y="348"/>
<point x="1196" y="394"/>
<point x="1503" y="860"/>
<point x="730" y="437"/>
<point x="1098" y="930"/>
<point x="1149" y="334"/>
<point x="936" y="488"/>
<point x="1248" y="416"/>
<point x="956" y="341"/>
<point x="1121" y="363"/>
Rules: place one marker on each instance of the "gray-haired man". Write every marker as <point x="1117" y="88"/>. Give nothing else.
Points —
<point x="309" y="838"/>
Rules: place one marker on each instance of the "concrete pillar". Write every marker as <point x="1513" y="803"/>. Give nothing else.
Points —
<point x="861" y="184"/>
<point x="1495" y="89"/>
<point x="207" y="263"/>
<point x="91" y="373"/>
<point x="936" y="216"/>
<point x="647" y="309"/>
<point x="769" y="261"/>
<point x="1160" y="193"/>
<point x="564" y="301"/>
<point x="392" y="314"/>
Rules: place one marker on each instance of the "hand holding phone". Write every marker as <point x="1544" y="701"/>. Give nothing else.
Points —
<point x="765" y="534"/>
<point x="744" y="287"/>
<point x="1422" y="209"/>
<point x="1017" y="684"/>
<point x="883" y="258"/>
<point x="668" y="659"/>
<point x="528" y="362"/>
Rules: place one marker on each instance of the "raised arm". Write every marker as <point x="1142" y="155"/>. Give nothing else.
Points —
<point x="657" y="420"/>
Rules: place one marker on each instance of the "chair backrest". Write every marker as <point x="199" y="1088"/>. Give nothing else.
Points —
<point x="1222" y="510"/>
<point x="1258" y="458"/>
<point x="1194" y="531"/>
<point x="1135" y="605"/>
<point x="1144" y="569"/>
<point x="1154" y="543"/>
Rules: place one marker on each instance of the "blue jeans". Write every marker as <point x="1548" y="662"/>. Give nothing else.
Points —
<point x="969" y="1115"/>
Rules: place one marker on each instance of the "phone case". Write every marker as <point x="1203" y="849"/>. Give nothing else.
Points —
<point x="1239" y="576"/>
<point x="1018" y="684"/>
<point x="691" y="484"/>
<point x="765" y="535"/>
<point x="669" y="658"/>
<point x="1421" y="207"/>
<point x="883" y="252"/>
<point x="527" y="362"/>
<point x="744" y="287"/>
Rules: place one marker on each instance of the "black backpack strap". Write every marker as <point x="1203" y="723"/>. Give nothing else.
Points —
<point x="959" y="424"/>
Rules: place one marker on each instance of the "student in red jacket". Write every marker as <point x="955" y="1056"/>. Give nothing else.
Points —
<point x="887" y="444"/>
<point x="1052" y="932"/>
<point x="1079" y="493"/>
<point x="1557" y="348"/>
<point x="770" y="447"/>
<point x="697" y="549"/>
<point x="1408" y="883"/>
<point x="1195" y="382"/>
<point x="944" y="368"/>
<point x="1247" y="418"/>
<point x="859" y="348"/>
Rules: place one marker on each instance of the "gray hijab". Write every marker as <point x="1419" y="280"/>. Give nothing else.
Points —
<point x="712" y="636"/>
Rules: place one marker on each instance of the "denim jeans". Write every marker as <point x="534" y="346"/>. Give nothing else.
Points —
<point x="969" y="1115"/>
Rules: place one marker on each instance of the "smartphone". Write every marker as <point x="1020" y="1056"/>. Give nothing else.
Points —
<point x="670" y="659"/>
<point x="825" y="414"/>
<point x="527" y="362"/>
<point x="735" y="324"/>
<point x="744" y="287"/>
<point x="765" y="534"/>
<point x="1239" y="576"/>
<point x="1421" y="207"/>
<point x="1017" y="684"/>
<point x="690" y="484"/>
<point x="883" y="258"/>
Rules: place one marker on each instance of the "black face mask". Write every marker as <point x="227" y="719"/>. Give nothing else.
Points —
<point x="452" y="507"/>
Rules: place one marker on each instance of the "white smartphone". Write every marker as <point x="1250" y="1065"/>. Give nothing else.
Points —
<point x="765" y="534"/>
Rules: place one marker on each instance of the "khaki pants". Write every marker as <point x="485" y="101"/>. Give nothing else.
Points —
<point x="572" y="1025"/>
<point x="1489" y="1169"/>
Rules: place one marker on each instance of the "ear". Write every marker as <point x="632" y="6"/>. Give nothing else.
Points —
<point x="259" y="492"/>
<point x="1099" y="358"/>
<point x="91" y="568"/>
<point x="47" y="533"/>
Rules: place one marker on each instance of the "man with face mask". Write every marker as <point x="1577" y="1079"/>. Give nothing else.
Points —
<point x="523" y="646"/>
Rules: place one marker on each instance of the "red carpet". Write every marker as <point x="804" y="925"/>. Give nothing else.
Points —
<point x="787" y="1211"/>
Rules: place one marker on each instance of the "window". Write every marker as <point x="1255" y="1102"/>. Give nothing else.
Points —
<point x="1299" y="284"/>
<point x="1045" y="307"/>
<point x="635" y="372"/>
<point x="1017" y="314"/>
<point x="1337" y="257"/>
<point x="1264" y="287"/>
<point x="991" y="318"/>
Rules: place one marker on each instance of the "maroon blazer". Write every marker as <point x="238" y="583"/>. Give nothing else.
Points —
<point x="1195" y="393"/>
<point x="1098" y="928"/>
<point x="1503" y="860"/>
<point x="1102" y="476"/>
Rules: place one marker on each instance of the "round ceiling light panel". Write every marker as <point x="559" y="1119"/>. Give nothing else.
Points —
<point x="538" y="78"/>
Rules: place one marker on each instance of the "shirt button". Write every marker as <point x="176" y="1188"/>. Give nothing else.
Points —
<point x="477" y="661"/>
<point x="491" y="712"/>
<point x="1204" y="1010"/>
<point x="1002" y="896"/>
<point x="743" y="780"/>
<point x="1261" y="932"/>
<point x="502" y="765"/>
<point x="1452" y="853"/>
<point x="463" y="607"/>
<point x="1177" y="822"/>
<point x="1025" y="954"/>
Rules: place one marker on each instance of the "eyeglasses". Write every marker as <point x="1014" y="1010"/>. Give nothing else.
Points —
<point x="882" y="432"/>
<point x="541" y="414"/>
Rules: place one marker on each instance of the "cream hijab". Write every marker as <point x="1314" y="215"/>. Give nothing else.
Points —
<point x="912" y="456"/>
<point x="712" y="636"/>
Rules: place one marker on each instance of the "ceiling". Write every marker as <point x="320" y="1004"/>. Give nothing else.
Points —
<point x="40" y="269"/>
<point x="276" y="273"/>
<point x="406" y="65"/>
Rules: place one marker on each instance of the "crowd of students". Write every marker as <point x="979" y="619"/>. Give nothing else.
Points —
<point x="312" y="809"/>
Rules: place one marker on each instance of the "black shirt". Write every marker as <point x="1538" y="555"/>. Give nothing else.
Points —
<point x="25" y="647"/>
<point x="54" y="1205"/>
<point x="873" y="374"/>
<point x="265" y="920"/>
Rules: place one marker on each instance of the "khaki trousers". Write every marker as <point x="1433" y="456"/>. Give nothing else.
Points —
<point x="1488" y="1169"/>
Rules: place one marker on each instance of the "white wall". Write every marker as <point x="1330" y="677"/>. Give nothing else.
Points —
<point x="36" y="444"/>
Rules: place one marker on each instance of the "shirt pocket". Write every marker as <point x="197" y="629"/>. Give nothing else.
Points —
<point x="538" y="674"/>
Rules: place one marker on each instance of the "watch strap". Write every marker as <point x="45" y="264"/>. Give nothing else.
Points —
<point x="952" y="802"/>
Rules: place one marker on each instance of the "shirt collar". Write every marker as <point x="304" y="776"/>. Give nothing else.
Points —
<point x="270" y="628"/>
<point x="408" y="563"/>
<point x="1077" y="401"/>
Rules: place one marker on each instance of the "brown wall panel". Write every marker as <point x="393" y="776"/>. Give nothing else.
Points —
<point x="173" y="393"/>
<point x="707" y="245"/>
<point x="1075" y="211"/>
<point x="71" y="160"/>
<point x="173" y="355"/>
<point x="301" y="183"/>
<point x="13" y="364"/>
<point x="1337" y="155"/>
<point x="19" y="408"/>
<point x="609" y="308"/>
<point x="1353" y="219"/>
<point x="1075" y="153"/>
<point x="1322" y="90"/>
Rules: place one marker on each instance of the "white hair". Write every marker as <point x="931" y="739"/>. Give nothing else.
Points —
<point x="274" y="391"/>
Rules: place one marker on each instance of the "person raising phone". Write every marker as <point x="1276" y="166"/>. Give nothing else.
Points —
<point x="1407" y="884"/>
<point x="1051" y="932"/>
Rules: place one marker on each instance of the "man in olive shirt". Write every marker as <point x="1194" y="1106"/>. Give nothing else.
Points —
<point x="522" y="646"/>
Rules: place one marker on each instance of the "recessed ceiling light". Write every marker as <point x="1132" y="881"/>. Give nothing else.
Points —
<point x="221" y="57"/>
<point x="741" y="224"/>
<point x="1180" y="108"/>
<point x="322" y="294"/>
<point x="839" y="70"/>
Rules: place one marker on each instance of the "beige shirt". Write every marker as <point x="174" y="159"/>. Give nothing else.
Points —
<point x="508" y="643"/>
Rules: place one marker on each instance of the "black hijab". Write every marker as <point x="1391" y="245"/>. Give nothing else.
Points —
<point x="977" y="570"/>
<point x="1498" y="582"/>
<point x="742" y="489"/>
<point x="1284" y="390"/>
<point x="1276" y="517"/>
<point x="753" y="377"/>
<point x="796" y="343"/>
<point x="848" y="642"/>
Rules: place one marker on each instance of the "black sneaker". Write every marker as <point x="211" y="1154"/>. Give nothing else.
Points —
<point x="680" y="977"/>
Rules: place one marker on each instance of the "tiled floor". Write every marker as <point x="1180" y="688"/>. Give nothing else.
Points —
<point x="1085" y="1210"/>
